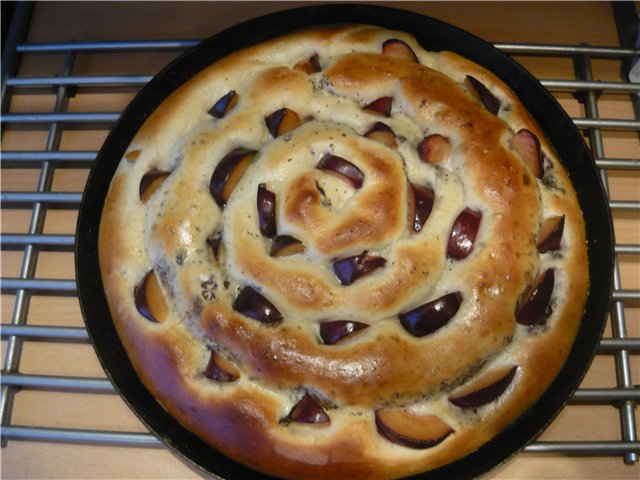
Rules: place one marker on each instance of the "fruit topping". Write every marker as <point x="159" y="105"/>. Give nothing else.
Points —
<point x="226" y="103"/>
<point x="282" y="121"/>
<point x="399" y="49"/>
<point x="266" y="203"/>
<point x="228" y="173"/>
<point x="334" y="331"/>
<point x="253" y="305"/>
<point x="380" y="106"/>
<point x="463" y="234"/>
<point x="312" y="65"/>
<point x="434" y="149"/>
<point x="431" y="316"/>
<point x="132" y="155"/>
<point x="483" y="94"/>
<point x="149" y="299"/>
<point x="308" y="410"/>
<point x="349" y="269"/>
<point x="220" y="369"/>
<point x="550" y="234"/>
<point x="400" y="425"/>
<point x="528" y="147"/>
<point x="534" y="306"/>
<point x="150" y="183"/>
<point x="286" y="245"/>
<point x="485" y="389"/>
<point x="343" y="168"/>
<point x="420" y="204"/>
<point x="383" y="134"/>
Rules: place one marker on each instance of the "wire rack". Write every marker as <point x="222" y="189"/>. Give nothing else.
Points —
<point x="29" y="246"/>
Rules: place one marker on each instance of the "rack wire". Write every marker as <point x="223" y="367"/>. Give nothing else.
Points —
<point x="43" y="163"/>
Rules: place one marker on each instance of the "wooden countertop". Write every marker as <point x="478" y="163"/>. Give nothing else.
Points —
<point x="547" y="23"/>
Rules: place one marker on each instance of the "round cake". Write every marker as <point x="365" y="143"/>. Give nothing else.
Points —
<point x="336" y="254"/>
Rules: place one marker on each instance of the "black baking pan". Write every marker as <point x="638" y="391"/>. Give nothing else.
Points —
<point x="433" y="35"/>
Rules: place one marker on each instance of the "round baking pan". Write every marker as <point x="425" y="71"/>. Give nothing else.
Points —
<point x="432" y="35"/>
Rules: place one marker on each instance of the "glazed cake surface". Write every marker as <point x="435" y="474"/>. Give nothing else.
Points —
<point x="335" y="254"/>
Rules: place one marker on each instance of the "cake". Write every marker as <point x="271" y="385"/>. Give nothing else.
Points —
<point x="336" y="254"/>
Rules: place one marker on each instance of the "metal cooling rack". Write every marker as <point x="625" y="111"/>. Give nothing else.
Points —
<point x="17" y="330"/>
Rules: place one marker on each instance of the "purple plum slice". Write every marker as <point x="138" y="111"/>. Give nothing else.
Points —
<point x="343" y="168"/>
<point x="266" y="203"/>
<point x="282" y="121"/>
<point x="431" y="316"/>
<point x="380" y="106"/>
<point x="484" y="390"/>
<point x="228" y="173"/>
<point x="550" y="234"/>
<point x="150" y="183"/>
<point x="149" y="299"/>
<point x="383" y="134"/>
<point x="222" y="106"/>
<point x="250" y="303"/>
<point x="463" y="234"/>
<point x="434" y="149"/>
<point x="527" y="144"/>
<point x="534" y="305"/>
<point x="421" y="201"/>
<point x="483" y="94"/>
<point x="403" y="427"/>
<point x="399" y="49"/>
<point x="220" y="369"/>
<point x="308" y="410"/>
<point x="350" y="269"/>
<point x="334" y="331"/>
<point x="285" y="245"/>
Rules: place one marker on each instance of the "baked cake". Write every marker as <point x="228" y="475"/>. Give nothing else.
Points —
<point x="335" y="254"/>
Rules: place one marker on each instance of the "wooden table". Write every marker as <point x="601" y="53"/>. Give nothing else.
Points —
<point x="88" y="408"/>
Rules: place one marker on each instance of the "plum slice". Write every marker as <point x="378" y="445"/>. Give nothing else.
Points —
<point x="252" y="304"/>
<point x="221" y="369"/>
<point x="132" y="155"/>
<point x="434" y="149"/>
<point x="463" y="234"/>
<point x="483" y="94"/>
<point x="420" y="205"/>
<point x="383" y="134"/>
<point x="431" y="316"/>
<point x="266" y="204"/>
<point x="343" y="168"/>
<point x="334" y="331"/>
<point x="399" y="49"/>
<point x="149" y="299"/>
<point x="226" y="103"/>
<point x="485" y="389"/>
<point x="403" y="427"/>
<point x="528" y="147"/>
<point x="534" y="306"/>
<point x="380" y="106"/>
<point x="550" y="234"/>
<point x="282" y="121"/>
<point x="228" y="173"/>
<point x="150" y="183"/>
<point x="349" y="269"/>
<point x="286" y="245"/>
<point x="311" y="65"/>
<point x="308" y="410"/>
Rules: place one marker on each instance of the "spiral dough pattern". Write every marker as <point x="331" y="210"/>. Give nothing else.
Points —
<point x="338" y="255"/>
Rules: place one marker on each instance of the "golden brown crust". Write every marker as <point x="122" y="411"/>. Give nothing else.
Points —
<point x="171" y="230"/>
